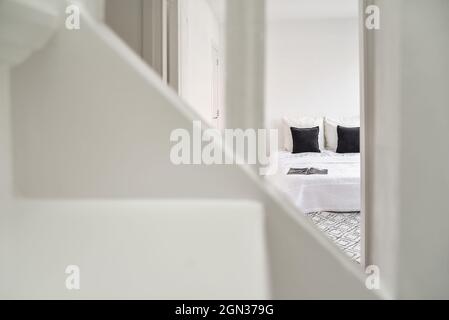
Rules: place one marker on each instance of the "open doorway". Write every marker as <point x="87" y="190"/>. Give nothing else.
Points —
<point x="312" y="86"/>
<point x="313" y="99"/>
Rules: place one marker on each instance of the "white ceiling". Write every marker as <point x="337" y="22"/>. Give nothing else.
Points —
<point x="311" y="9"/>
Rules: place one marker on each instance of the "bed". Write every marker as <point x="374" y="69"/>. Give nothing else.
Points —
<point x="338" y="191"/>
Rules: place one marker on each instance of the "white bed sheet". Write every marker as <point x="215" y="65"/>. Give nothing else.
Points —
<point x="337" y="191"/>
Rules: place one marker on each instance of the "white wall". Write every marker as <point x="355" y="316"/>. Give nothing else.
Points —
<point x="5" y="168"/>
<point x="136" y="250"/>
<point x="407" y="126"/>
<point x="424" y="228"/>
<point x="312" y="69"/>
<point x="200" y="29"/>
<point x="382" y="158"/>
<point x="5" y="135"/>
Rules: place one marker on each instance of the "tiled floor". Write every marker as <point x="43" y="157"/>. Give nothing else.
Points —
<point x="342" y="228"/>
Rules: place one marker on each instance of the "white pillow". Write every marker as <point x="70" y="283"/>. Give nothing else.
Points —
<point x="330" y="129"/>
<point x="302" y="122"/>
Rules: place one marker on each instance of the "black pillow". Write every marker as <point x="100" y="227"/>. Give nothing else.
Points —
<point x="348" y="140"/>
<point x="305" y="139"/>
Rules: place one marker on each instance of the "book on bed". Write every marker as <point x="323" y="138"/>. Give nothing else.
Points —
<point x="307" y="171"/>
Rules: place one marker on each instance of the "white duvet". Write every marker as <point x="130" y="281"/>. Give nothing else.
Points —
<point x="338" y="191"/>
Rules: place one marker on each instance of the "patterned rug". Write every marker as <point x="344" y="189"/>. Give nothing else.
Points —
<point x="342" y="228"/>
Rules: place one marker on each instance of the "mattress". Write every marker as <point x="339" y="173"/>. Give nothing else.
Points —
<point x="338" y="191"/>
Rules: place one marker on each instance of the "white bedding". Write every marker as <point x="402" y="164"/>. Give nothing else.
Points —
<point x="338" y="191"/>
